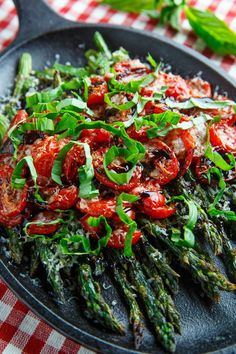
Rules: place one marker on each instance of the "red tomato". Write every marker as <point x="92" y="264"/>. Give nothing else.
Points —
<point x="140" y="135"/>
<point x="97" y="90"/>
<point x="151" y="196"/>
<point x="223" y="134"/>
<point x="74" y="159"/>
<point x="19" y="117"/>
<point x="44" y="152"/>
<point x="102" y="177"/>
<point x="154" y="108"/>
<point x="182" y="143"/>
<point x="12" y="201"/>
<point x="97" y="136"/>
<point x="117" y="239"/>
<point x="11" y="221"/>
<point x="63" y="198"/>
<point x="177" y="86"/>
<point x="160" y="162"/>
<point x="131" y="70"/>
<point x="44" y="217"/>
<point x="97" y="207"/>
<point x="161" y="212"/>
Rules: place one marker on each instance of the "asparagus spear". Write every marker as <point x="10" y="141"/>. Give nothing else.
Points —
<point x="24" y="70"/>
<point x="163" y="329"/>
<point x="34" y="260"/>
<point x="155" y="257"/>
<point x="202" y="269"/>
<point x="169" y="309"/>
<point x="52" y="266"/>
<point x="96" y="307"/>
<point x="15" y="245"/>
<point x="135" y="315"/>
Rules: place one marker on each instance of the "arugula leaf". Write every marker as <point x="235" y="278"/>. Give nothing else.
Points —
<point x="203" y="103"/>
<point x="215" y="32"/>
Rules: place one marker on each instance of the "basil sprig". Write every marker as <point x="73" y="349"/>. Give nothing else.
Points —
<point x="122" y="106"/>
<point x="124" y="197"/>
<point x="215" y="32"/>
<point x="85" y="172"/>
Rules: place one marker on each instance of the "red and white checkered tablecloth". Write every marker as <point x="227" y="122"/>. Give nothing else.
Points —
<point x="20" y="330"/>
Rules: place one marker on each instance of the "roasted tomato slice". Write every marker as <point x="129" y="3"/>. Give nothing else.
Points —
<point x="117" y="239"/>
<point x="152" y="201"/>
<point x="44" y="217"/>
<point x="19" y="117"/>
<point x="140" y="135"/>
<point x="96" y="136"/>
<point x="160" y="162"/>
<point x="130" y="70"/>
<point x="203" y="165"/>
<point x="11" y="221"/>
<point x="118" y="166"/>
<point x="177" y="86"/>
<point x="97" y="206"/>
<point x="97" y="90"/>
<point x="182" y="143"/>
<point x="74" y="159"/>
<point x="12" y="201"/>
<point x="223" y="134"/>
<point x="61" y="198"/>
<point x="44" y="152"/>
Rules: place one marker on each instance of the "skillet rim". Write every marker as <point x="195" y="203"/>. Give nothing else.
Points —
<point x="88" y="340"/>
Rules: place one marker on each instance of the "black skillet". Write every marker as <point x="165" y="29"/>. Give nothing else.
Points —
<point x="43" y="33"/>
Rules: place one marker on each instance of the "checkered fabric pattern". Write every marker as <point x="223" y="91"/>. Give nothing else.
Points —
<point x="20" y="330"/>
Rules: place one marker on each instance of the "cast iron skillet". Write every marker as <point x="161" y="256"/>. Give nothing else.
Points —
<point x="43" y="33"/>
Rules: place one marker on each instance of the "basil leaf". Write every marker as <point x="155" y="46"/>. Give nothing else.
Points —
<point x="111" y="155"/>
<point x="18" y="182"/>
<point x="43" y="97"/>
<point x="130" y="5"/>
<point x="203" y="103"/>
<point x="81" y="243"/>
<point x="124" y="197"/>
<point x="212" y="210"/>
<point x="86" y="172"/>
<point x="121" y="107"/>
<point x="70" y="70"/>
<point x="131" y="86"/>
<point x="215" y="32"/>
<point x="189" y="239"/>
<point x="217" y="159"/>
<point x="4" y="124"/>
